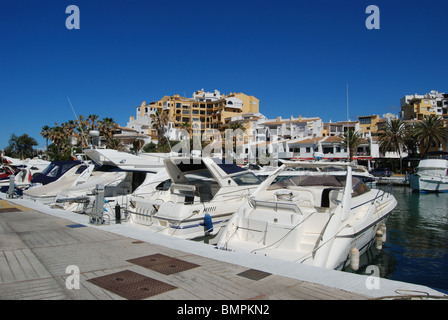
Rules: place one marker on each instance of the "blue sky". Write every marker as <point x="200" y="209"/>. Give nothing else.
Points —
<point x="295" y="56"/>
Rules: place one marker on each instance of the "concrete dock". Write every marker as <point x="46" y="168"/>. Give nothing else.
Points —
<point x="48" y="254"/>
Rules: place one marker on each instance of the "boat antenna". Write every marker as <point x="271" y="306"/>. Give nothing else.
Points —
<point x="80" y="127"/>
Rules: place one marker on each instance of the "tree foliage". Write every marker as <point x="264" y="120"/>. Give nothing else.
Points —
<point x="20" y="147"/>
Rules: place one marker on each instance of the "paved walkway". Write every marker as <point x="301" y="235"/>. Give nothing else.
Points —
<point x="39" y="254"/>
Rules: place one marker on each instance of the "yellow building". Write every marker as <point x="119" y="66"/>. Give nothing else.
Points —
<point x="419" y="109"/>
<point x="207" y="110"/>
<point x="369" y="123"/>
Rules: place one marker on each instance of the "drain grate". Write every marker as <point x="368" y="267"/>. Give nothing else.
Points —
<point x="131" y="285"/>
<point x="254" y="274"/>
<point x="75" y="225"/>
<point x="163" y="264"/>
<point x="4" y="210"/>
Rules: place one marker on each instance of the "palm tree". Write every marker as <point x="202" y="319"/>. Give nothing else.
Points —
<point x="158" y="122"/>
<point x="45" y="133"/>
<point x="430" y="132"/>
<point x="107" y="128"/>
<point x="187" y="126"/>
<point x="92" y="119"/>
<point x="69" y="130"/>
<point x="58" y="136"/>
<point x="116" y="144"/>
<point x="237" y="125"/>
<point x="393" y="139"/>
<point x="410" y="141"/>
<point x="81" y="131"/>
<point x="351" y="140"/>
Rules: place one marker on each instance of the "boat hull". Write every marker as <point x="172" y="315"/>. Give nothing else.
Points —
<point x="183" y="221"/>
<point x="428" y="184"/>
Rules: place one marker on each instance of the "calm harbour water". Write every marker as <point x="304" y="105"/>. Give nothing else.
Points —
<point x="416" y="248"/>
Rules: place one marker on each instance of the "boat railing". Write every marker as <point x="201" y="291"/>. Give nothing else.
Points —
<point x="387" y="191"/>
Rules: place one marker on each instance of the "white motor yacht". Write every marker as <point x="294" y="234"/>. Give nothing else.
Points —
<point x="120" y="173"/>
<point x="198" y="200"/>
<point x="431" y="176"/>
<point x="319" y="220"/>
<point x="58" y="178"/>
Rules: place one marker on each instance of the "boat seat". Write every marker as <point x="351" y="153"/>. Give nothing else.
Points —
<point x="303" y="196"/>
<point x="335" y="196"/>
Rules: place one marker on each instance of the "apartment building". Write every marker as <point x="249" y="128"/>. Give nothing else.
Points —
<point x="332" y="129"/>
<point x="293" y="128"/>
<point x="369" y="124"/>
<point x="419" y="107"/>
<point x="204" y="110"/>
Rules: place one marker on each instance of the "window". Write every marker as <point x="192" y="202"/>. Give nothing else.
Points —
<point x="178" y="105"/>
<point x="164" y="186"/>
<point x="365" y="120"/>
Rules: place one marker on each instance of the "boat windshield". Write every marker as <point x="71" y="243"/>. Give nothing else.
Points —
<point x="58" y="168"/>
<point x="246" y="178"/>
<point x="327" y="181"/>
<point x="200" y="175"/>
<point x="195" y="172"/>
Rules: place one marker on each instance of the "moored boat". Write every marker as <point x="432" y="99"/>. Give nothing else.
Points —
<point x="431" y="176"/>
<point x="198" y="199"/>
<point x="326" y="221"/>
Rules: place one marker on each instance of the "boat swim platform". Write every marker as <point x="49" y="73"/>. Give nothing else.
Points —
<point x="52" y="254"/>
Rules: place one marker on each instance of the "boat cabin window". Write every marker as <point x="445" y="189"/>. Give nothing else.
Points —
<point x="247" y="178"/>
<point x="81" y="169"/>
<point x="231" y="168"/>
<point x="48" y="169"/>
<point x="164" y="186"/>
<point x="333" y="168"/>
<point x="359" y="187"/>
<point x="306" y="169"/>
<point x="54" y="172"/>
<point x="201" y="175"/>
<point x="186" y="167"/>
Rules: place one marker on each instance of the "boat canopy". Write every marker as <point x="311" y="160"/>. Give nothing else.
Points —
<point x="55" y="170"/>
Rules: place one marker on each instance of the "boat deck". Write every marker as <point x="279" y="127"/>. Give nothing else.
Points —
<point x="41" y="252"/>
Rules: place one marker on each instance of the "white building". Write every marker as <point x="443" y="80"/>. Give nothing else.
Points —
<point x="142" y="121"/>
<point x="293" y="128"/>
